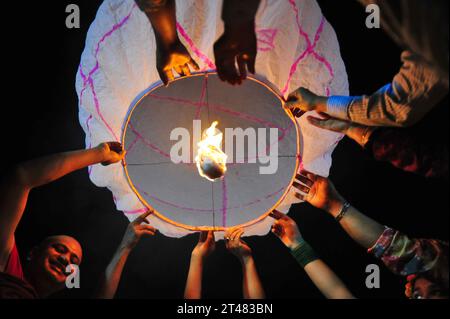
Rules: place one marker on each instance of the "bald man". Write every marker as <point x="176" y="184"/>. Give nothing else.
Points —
<point x="47" y="264"/>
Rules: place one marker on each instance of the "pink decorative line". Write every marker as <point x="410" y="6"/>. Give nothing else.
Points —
<point x="266" y="39"/>
<point x="194" y="48"/>
<point x="217" y="107"/>
<point x="97" y="107"/>
<point x="88" y="121"/>
<point x="299" y="26"/>
<point x="198" y="210"/>
<point x="224" y="202"/>
<point x="87" y="80"/>
<point x="202" y="98"/>
<point x="310" y="49"/>
<point x="102" y="40"/>
<point x="147" y="143"/>
<point x="132" y="144"/>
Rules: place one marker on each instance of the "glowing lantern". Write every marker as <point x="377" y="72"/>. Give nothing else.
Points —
<point x="211" y="160"/>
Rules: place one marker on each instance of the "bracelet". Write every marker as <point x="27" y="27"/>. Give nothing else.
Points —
<point x="304" y="254"/>
<point x="343" y="211"/>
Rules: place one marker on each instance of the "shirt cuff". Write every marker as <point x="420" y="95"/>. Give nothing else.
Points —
<point x="337" y="106"/>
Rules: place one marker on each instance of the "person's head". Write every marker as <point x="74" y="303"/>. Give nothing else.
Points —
<point x="47" y="263"/>
<point x="433" y="283"/>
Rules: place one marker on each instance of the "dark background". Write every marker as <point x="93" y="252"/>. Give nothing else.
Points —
<point x="40" y="116"/>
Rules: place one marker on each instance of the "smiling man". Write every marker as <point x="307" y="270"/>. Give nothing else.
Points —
<point x="47" y="264"/>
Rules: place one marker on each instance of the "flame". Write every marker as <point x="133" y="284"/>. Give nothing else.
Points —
<point x="211" y="160"/>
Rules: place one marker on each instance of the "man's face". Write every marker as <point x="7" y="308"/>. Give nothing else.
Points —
<point x="422" y="288"/>
<point x="52" y="258"/>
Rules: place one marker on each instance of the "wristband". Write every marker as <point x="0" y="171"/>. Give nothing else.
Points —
<point x="304" y="253"/>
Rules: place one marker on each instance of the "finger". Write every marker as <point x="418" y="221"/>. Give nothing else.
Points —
<point x="242" y="67"/>
<point x="148" y="233"/>
<point x="115" y="146"/>
<point x="301" y="187"/>
<point x="298" y="113"/>
<point x="202" y="237"/>
<point x="238" y="234"/>
<point x="276" y="214"/>
<point x="322" y="123"/>
<point x="210" y="236"/>
<point x="194" y="65"/>
<point x="179" y="70"/>
<point x="148" y="228"/>
<point x="230" y="72"/>
<point x="235" y="233"/>
<point x="305" y="180"/>
<point x="163" y="77"/>
<point x="170" y="75"/>
<point x="142" y="217"/>
<point x="309" y="175"/>
<point x="251" y="62"/>
<point x="185" y="69"/>
<point x="228" y="233"/>
<point x="300" y="196"/>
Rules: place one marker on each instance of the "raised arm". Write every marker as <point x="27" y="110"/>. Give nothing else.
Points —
<point x="111" y="277"/>
<point x="329" y="284"/>
<point x="206" y="245"/>
<point x="251" y="284"/>
<point x="321" y="193"/>
<point x="171" y="53"/>
<point x="414" y="91"/>
<point x="238" y="44"/>
<point x="15" y="187"/>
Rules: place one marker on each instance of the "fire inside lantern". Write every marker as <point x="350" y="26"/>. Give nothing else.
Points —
<point x="211" y="160"/>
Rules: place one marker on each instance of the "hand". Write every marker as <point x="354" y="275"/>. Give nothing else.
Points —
<point x="112" y="152"/>
<point x="238" y="43"/>
<point x="173" y="57"/>
<point x="286" y="230"/>
<point x="319" y="192"/>
<point x="206" y="245"/>
<point x="359" y="133"/>
<point x="302" y="100"/>
<point x="136" y="230"/>
<point x="236" y="245"/>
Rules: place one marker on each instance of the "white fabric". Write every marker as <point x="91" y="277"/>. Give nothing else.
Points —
<point x="296" y="47"/>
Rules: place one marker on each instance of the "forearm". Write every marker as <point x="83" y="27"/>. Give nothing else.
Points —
<point x="162" y="16"/>
<point x="362" y="229"/>
<point x="326" y="280"/>
<point x="252" y="287"/>
<point x="44" y="170"/>
<point x="238" y="12"/>
<point x="414" y="91"/>
<point x="193" y="288"/>
<point x="111" y="277"/>
<point x="320" y="274"/>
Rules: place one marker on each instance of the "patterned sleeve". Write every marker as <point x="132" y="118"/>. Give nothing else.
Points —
<point x="405" y="256"/>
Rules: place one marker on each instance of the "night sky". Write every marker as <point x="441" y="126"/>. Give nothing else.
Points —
<point x="40" y="110"/>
